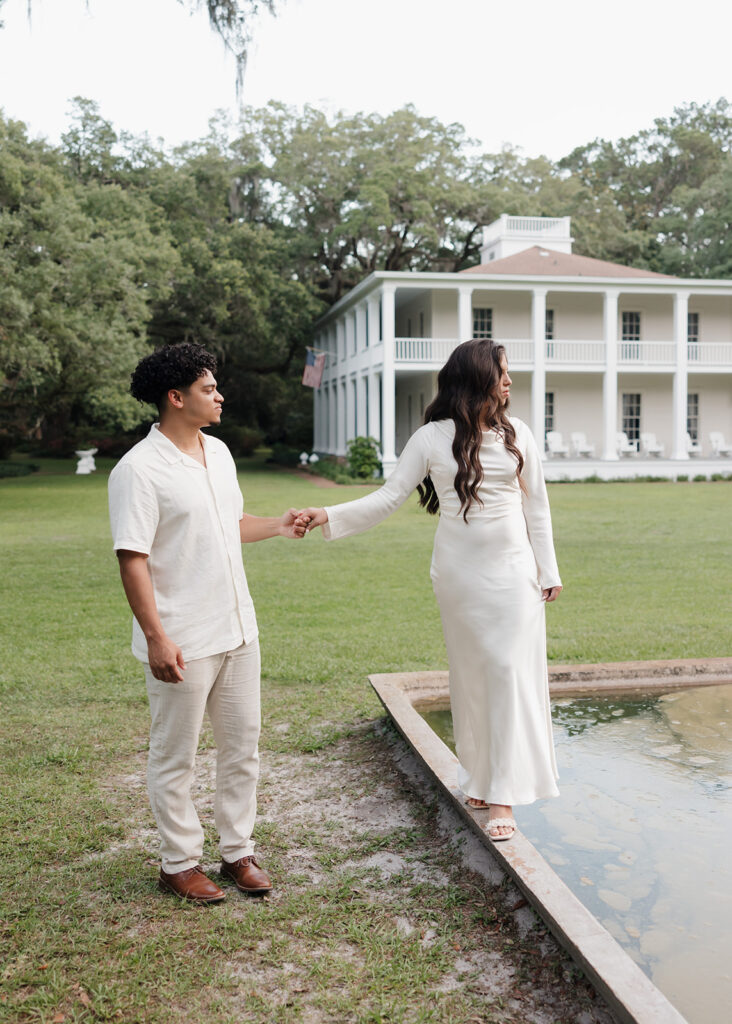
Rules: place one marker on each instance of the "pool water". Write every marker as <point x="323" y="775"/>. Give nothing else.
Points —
<point x="642" y="832"/>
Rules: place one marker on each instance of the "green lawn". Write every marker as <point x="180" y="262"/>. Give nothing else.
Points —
<point x="646" y="572"/>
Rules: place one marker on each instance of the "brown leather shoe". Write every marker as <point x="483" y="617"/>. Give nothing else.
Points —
<point x="191" y="885"/>
<point x="247" y="875"/>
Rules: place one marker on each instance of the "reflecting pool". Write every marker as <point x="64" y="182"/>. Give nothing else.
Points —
<point x="642" y="832"/>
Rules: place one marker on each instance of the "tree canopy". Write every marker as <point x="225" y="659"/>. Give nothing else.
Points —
<point x="109" y="245"/>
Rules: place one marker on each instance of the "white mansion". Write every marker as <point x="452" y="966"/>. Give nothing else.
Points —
<point x="594" y="349"/>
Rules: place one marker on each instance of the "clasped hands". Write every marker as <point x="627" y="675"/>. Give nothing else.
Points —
<point x="295" y="524"/>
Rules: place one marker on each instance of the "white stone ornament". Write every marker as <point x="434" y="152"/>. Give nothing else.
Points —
<point x="86" y="462"/>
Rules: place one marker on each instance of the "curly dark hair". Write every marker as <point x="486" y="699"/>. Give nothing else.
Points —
<point x="467" y="393"/>
<point x="173" y="366"/>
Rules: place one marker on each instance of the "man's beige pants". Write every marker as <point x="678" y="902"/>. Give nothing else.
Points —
<point x="227" y="686"/>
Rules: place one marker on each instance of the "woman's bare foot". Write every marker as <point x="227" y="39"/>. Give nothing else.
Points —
<point x="479" y="805"/>
<point x="502" y="831"/>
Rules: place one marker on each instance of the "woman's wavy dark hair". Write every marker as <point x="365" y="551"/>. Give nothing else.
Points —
<point x="468" y="394"/>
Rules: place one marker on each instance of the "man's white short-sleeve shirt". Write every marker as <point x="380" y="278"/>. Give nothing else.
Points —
<point x="185" y="517"/>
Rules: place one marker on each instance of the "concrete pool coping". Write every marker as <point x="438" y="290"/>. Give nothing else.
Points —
<point x="629" y="993"/>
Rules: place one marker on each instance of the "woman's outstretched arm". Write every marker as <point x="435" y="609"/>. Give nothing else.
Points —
<point x="353" y="517"/>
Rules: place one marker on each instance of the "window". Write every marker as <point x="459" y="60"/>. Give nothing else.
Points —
<point x="409" y="327"/>
<point x="692" y="337"/>
<point x="421" y="325"/>
<point x="692" y="416"/>
<point x="483" y="323"/>
<point x="548" y="412"/>
<point x="366" y="326"/>
<point x="631" y="336"/>
<point x="381" y="321"/>
<point x="354" y="328"/>
<point x="631" y="416"/>
<point x="549" y="331"/>
<point x="410" y="426"/>
<point x="367" y="410"/>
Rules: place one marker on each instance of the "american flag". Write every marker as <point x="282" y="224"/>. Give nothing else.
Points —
<point x="313" y="372"/>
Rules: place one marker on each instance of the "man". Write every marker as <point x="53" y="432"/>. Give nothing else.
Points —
<point x="178" y="525"/>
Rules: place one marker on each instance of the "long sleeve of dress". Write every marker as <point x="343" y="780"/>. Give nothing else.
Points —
<point x="535" y="505"/>
<point x="356" y="516"/>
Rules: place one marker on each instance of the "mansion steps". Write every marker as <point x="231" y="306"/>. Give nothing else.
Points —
<point x="592" y="346"/>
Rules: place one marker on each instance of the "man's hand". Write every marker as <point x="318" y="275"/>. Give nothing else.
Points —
<point x="166" y="660"/>
<point x="313" y="517"/>
<point x="292" y="525"/>
<point x="551" y="594"/>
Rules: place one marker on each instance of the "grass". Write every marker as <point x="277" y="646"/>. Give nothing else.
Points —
<point x="85" y="939"/>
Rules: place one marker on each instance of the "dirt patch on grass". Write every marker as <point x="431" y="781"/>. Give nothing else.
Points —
<point x="384" y="908"/>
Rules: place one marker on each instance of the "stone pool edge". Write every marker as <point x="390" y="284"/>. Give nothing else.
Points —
<point x="629" y="993"/>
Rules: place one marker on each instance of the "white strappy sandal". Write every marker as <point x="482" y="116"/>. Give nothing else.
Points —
<point x="500" y="823"/>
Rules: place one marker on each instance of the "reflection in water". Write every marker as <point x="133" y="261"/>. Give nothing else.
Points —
<point x="642" y="832"/>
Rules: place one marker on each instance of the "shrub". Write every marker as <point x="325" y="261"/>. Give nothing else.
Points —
<point x="17" y="468"/>
<point x="240" y="440"/>
<point x="363" y="457"/>
<point x="682" y="477"/>
<point x="284" y="455"/>
<point x="700" y="476"/>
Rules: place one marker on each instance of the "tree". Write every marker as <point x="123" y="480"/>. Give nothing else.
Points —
<point x="80" y="265"/>
<point x="656" y="180"/>
<point x="234" y="289"/>
<point x="233" y="20"/>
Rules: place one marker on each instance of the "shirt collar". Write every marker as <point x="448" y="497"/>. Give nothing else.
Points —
<point x="170" y="452"/>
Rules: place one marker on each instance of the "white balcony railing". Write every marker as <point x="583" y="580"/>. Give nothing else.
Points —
<point x="423" y="350"/>
<point x="575" y="352"/>
<point x="647" y="352"/>
<point x="520" y="352"/>
<point x="707" y="353"/>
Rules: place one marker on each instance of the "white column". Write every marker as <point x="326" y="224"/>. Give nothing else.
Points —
<point x="373" y="325"/>
<point x="374" y="419"/>
<point x="388" y="411"/>
<point x="681" y="376"/>
<point x="341" y="439"/>
<point x="340" y="340"/>
<point x="610" y="376"/>
<point x="316" y="417"/>
<point x="361" y="406"/>
<point x="350" y="409"/>
<point x="465" y="313"/>
<point x="333" y="417"/>
<point x="538" y="377"/>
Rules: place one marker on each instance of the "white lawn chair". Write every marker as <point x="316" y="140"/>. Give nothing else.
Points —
<point x="692" y="447"/>
<point x="580" y="445"/>
<point x="555" y="445"/>
<point x="718" y="443"/>
<point x="624" y="446"/>
<point x="650" y="446"/>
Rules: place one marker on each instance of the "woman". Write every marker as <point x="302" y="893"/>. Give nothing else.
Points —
<point x="493" y="567"/>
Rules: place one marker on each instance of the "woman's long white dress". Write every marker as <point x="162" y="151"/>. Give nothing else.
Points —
<point x="487" y="575"/>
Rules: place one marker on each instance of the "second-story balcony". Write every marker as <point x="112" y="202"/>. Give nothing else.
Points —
<point x="433" y="352"/>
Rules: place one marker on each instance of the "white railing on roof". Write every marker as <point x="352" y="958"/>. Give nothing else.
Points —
<point x="709" y="353"/>
<point x="647" y="352"/>
<point x="534" y="224"/>
<point x="423" y="350"/>
<point x="575" y="352"/>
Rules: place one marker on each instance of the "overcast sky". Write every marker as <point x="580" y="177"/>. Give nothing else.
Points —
<point x="542" y="76"/>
